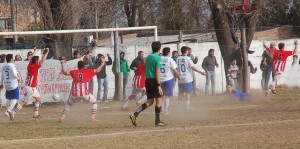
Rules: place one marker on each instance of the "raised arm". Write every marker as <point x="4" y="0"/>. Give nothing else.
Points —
<point x="296" y="46"/>
<point x="44" y="56"/>
<point x="98" y="69"/>
<point x="265" y="45"/>
<point x="109" y="62"/>
<point x="65" y="72"/>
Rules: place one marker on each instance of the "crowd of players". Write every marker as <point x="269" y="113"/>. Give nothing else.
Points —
<point x="154" y="79"/>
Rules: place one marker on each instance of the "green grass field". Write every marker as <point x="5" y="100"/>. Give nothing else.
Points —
<point x="214" y="122"/>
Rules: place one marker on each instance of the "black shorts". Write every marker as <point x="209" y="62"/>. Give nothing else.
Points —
<point x="152" y="89"/>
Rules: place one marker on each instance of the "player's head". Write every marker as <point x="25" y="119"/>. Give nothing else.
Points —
<point x="229" y="87"/>
<point x="272" y="45"/>
<point x="184" y="50"/>
<point x="35" y="59"/>
<point x="281" y="46"/>
<point x="140" y="54"/>
<point x="156" y="45"/>
<point x="9" y="58"/>
<point x="80" y="64"/>
<point x="211" y="52"/>
<point x="233" y="61"/>
<point x="166" y="51"/>
<point x="174" y="54"/>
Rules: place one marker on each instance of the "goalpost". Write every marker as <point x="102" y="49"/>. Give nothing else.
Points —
<point x="118" y="87"/>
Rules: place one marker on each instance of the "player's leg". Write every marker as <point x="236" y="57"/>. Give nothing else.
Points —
<point x="91" y="99"/>
<point x="27" y="95"/>
<point x="158" y="104"/>
<point x="180" y="94"/>
<point x="66" y="109"/>
<point x="168" y="92"/>
<point x="188" y="90"/>
<point x="37" y="97"/>
<point x="128" y="100"/>
<point x="13" y="97"/>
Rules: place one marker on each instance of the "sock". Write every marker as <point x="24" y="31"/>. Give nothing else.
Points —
<point x="11" y="105"/>
<point x="126" y="103"/>
<point x="17" y="108"/>
<point x="94" y="110"/>
<point x="157" y="114"/>
<point x="36" y="108"/>
<point x="7" y="104"/>
<point x="142" y="100"/>
<point x="166" y="104"/>
<point x="65" y="111"/>
<point x="140" y="109"/>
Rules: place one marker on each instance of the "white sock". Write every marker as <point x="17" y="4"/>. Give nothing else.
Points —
<point x="126" y="103"/>
<point x="94" y="110"/>
<point x="65" y="111"/>
<point x="166" y="104"/>
<point x="142" y="100"/>
<point x="36" y="108"/>
<point x="17" y="108"/>
<point x="12" y="105"/>
<point x="7" y="104"/>
<point x="188" y="104"/>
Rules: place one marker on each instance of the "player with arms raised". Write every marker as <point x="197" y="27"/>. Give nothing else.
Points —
<point x="186" y="68"/>
<point x="169" y="67"/>
<point x="31" y="83"/>
<point x="9" y="79"/>
<point x="80" y="90"/>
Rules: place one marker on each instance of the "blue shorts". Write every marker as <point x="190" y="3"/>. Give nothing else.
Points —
<point x="185" y="87"/>
<point x="167" y="88"/>
<point x="12" y="94"/>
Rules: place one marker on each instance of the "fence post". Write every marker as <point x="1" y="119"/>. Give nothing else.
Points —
<point x="246" y="72"/>
<point x="118" y="84"/>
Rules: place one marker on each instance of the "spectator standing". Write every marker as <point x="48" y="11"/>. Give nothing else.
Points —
<point x="232" y="74"/>
<point x="209" y="63"/>
<point x="102" y="77"/>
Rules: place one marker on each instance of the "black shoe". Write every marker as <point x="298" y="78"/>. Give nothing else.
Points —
<point x="37" y="116"/>
<point x="160" y="124"/>
<point x="133" y="120"/>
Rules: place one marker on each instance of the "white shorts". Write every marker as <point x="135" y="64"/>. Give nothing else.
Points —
<point x="30" y="92"/>
<point x="89" y="98"/>
<point x="136" y="91"/>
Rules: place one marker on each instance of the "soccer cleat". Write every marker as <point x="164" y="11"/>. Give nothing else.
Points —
<point x="94" y="120"/>
<point x="273" y="91"/>
<point x="61" y="120"/>
<point x="37" y="116"/>
<point x="133" y="120"/>
<point x="11" y="115"/>
<point x="160" y="124"/>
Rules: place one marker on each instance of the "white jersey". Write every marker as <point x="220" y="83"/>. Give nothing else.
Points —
<point x="168" y="64"/>
<point x="185" y="65"/>
<point x="9" y="76"/>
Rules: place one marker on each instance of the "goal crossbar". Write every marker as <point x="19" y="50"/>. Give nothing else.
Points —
<point x="84" y="31"/>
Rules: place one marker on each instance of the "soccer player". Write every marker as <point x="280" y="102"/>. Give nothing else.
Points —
<point x="169" y="67"/>
<point x="185" y="68"/>
<point x="153" y="86"/>
<point x="234" y="93"/>
<point x="138" y="85"/>
<point x="278" y="62"/>
<point x="80" y="90"/>
<point x="9" y="79"/>
<point x="31" y="83"/>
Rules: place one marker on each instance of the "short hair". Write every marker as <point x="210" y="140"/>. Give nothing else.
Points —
<point x="75" y="52"/>
<point x="210" y="50"/>
<point x="29" y="52"/>
<point x="166" y="50"/>
<point x="233" y="59"/>
<point x="9" y="57"/>
<point x="281" y="46"/>
<point x="156" y="45"/>
<point x="35" y="59"/>
<point x="122" y="52"/>
<point x="295" y="56"/>
<point x="229" y="85"/>
<point x="80" y="64"/>
<point x="100" y="55"/>
<point x="184" y="49"/>
<point x="140" y="52"/>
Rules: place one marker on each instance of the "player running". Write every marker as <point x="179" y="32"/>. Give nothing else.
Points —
<point x="169" y="67"/>
<point x="153" y="86"/>
<point x="80" y="90"/>
<point x="138" y="86"/>
<point x="31" y="83"/>
<point x="9" y="79"/>
<point x="278" y="62"/>
<point x="186" y="68"/>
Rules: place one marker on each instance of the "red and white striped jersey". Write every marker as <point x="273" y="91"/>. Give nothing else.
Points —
<point x="81" y="79"/>
<point x="33" y="73"/>
<point x="139" y="77"/>
<point x="279" y="58"/>
<point x="233" y="71"/>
